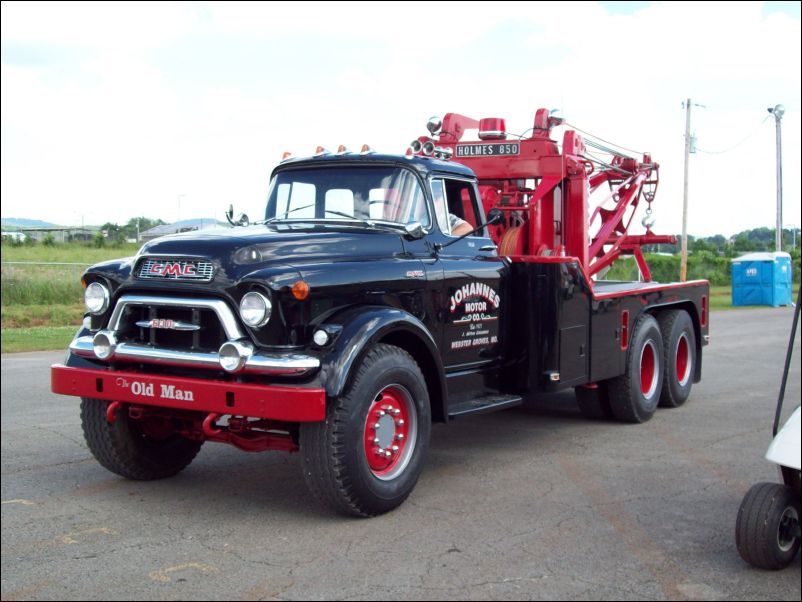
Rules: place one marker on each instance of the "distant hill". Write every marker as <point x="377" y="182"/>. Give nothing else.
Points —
<point x="21" y="222"/>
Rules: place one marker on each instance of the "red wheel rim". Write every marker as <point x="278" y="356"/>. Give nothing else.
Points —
<point x="648" y="370"/>
<point x="390" y="432"/>
<point x="682" y="361"/>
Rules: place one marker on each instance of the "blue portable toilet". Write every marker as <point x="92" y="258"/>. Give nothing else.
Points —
<point x="761" y="279"/>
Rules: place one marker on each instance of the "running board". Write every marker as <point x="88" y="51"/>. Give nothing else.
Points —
<point x="489" y="403"/>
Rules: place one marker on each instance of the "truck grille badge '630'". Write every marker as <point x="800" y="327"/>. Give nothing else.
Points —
<point x="180" y="269"/>
<point x="167" y="324"/>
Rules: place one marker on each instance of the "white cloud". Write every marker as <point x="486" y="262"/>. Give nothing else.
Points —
<point x="114" y="110"/>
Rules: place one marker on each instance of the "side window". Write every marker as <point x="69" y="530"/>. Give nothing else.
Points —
<point x="461" y="200"/>
<point x="441" y="205"/>
<point x="295" y="200"/>
<point x="468" y="211"/>
<point x="455" y="201"/>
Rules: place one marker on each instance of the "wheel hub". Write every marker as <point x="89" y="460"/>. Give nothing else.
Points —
<point x="390" y="432"/>
<point x="648" y="370"/>
<point x="682" y="360"/>
<point x="788" y="529"/>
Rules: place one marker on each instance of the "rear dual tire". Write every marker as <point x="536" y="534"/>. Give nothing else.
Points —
<point x="679" y="353"/>
<point x="635" y="394"/>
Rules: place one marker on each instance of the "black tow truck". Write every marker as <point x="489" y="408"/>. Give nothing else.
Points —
<point x="349" y="320"/>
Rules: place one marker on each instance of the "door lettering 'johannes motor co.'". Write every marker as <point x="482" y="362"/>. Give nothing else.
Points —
<point x="472" y="305"/>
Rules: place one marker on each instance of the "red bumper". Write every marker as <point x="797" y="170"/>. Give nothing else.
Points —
<point x="290" y="404"/>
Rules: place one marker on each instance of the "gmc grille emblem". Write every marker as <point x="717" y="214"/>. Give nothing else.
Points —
<point x="177" y="269"/>
<point x="172" y="269"/>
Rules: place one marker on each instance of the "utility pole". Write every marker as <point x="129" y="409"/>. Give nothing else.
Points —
<point x="778" y="112"/>
<point x="683" y="265"/>
<point x="689" y="148"/>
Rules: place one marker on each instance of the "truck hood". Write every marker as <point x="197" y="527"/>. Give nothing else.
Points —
<point x="248" y="248"/>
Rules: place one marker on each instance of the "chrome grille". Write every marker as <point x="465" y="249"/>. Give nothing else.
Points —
<point x="176" y="269"/>
<point x="171" y="327"/>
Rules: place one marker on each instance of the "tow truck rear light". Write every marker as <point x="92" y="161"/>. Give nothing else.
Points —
<point x="492" y="128"/>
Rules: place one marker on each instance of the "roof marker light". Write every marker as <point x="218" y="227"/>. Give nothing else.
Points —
<point x="286" y="155"/>
<point x="321" y="151"/>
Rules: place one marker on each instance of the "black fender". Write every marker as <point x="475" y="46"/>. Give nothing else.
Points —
<point x="358" y="329"/>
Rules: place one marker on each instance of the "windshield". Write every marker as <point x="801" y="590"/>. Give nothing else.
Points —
<point x="389" y="194"/>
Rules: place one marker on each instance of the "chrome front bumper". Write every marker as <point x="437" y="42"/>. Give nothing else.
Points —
<point x="252" y="361"/>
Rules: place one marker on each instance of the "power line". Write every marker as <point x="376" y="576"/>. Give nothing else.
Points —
<point x="737" y="144"/>
<point x="603" y="140"/>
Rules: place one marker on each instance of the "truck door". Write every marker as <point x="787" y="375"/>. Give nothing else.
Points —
<point x="472" y="271"/>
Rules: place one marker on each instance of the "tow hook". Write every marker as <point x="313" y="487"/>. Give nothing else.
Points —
<point x="111" y="410"/>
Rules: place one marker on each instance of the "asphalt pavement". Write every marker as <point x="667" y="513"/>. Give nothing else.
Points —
<point x="529" y="503"/>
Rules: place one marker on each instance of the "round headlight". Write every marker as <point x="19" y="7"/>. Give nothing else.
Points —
<point x="96" y="297"/>
<point x="255" y="309"/>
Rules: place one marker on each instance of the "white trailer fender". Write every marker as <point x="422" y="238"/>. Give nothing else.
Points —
<point x="785" y="448"/>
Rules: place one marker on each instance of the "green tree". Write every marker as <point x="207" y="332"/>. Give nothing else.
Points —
<point x="139" y="224"/>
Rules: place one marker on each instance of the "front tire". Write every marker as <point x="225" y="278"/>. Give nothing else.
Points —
<point x="767" y="528"/>
<point x="366" y="457"/>
<point x="123" y="447"/>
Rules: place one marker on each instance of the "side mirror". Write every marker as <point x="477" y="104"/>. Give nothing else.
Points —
<point x="242" y="218"/>
<point x="495" y="216"/>
<point x="414" y="230"/>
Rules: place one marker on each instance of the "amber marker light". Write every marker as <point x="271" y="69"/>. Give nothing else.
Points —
<point x="300" y="290"/>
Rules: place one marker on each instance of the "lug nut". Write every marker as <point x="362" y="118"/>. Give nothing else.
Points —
<point x="380" y="413"/>
<point x="376" y="441"/>
<point x="400" y="422"/>
<point x="395" y="449"/>
<point x="399" y="437"/>
<point x="396" y="412"/>
<point x="388" y="454"/>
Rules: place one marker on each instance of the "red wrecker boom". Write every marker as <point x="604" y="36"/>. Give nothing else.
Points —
<point x="544" y="192"/>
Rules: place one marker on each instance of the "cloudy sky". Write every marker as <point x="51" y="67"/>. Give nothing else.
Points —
<point x="111" y="111"/>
